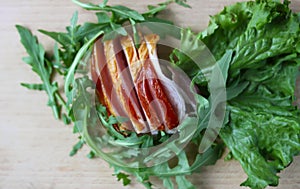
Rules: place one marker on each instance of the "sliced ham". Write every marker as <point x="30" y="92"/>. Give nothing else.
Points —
<point x="102" y="76"/>
<point x="123" y="85"/>
<point x="130" y="83"/>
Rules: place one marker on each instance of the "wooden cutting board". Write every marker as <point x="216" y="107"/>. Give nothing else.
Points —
<point x="34" y="147"/>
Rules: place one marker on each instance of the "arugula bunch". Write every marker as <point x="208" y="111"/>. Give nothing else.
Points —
<point x="65" y="60"/>
<point x="62" y="59"/>
<point x="257" y="46"/>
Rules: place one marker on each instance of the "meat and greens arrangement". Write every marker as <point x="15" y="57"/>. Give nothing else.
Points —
<point x="148" y="118"/>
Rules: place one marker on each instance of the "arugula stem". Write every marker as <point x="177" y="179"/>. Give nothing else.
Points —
<point x="62" y="101"/>
<point x="70" y="75"/>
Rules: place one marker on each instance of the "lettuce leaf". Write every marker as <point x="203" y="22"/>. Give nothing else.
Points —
<point x="263" y="132"/>
<point x="264" y="127"/>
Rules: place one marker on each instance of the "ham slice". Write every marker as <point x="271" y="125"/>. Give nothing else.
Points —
<point x="150" y="84"/>
<point x="123" y="85"/>
<point x="130" y="83"/>
<point x="103" y="77"/>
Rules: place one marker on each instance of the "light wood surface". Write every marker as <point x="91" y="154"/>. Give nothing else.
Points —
<point x="34" y="147"/>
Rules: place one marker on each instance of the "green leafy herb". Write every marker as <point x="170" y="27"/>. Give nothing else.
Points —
<point x="124" y="178"/>
<point x="39" y="87"/>
<point x="76" y="147"/>
<point x="256" y="46"/>
<point x="70" y="41"/>
<point x="264" y="127"/>
<point x="91" y="155"/>
<point x="41" y="66"/>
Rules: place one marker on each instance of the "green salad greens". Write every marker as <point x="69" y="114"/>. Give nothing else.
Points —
<point x="256" y="44"/>
<point x="263" y="128"/>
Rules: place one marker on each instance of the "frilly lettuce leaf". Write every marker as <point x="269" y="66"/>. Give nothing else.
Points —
<point x="264" y="127"/>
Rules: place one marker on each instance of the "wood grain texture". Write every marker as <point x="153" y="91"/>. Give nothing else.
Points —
<point x="34" y="147"/>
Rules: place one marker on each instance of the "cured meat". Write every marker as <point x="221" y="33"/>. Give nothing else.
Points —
<point x="101" y="75"/>
<point x="123" y="85"/>
<point x="130" y="83"/>
<point x="151" y="89"/>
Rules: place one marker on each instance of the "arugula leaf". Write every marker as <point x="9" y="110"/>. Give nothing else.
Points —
<point x="167" y="182"/>
<point x="120" y="15"/>
<point x="102" y="17"/>
<point x="69" y="41"/>
<point x="39" y="65"/>
<point x="124" y="177"/>
<point x="91" y="154"/>
<point x="107" y="122"/>
<point x="57" y="65"/>
<point x="191" y="51"/>
<point x="184" y="183"/>
<point x="183" y="3"/>
<point x="39" y="87"/>
<point x="81" y="102"/>
<point x="153" y="10"/>
<point x="69" y="79"/>
<point x="121" y="12"/>
<point x="77" y="147"/>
